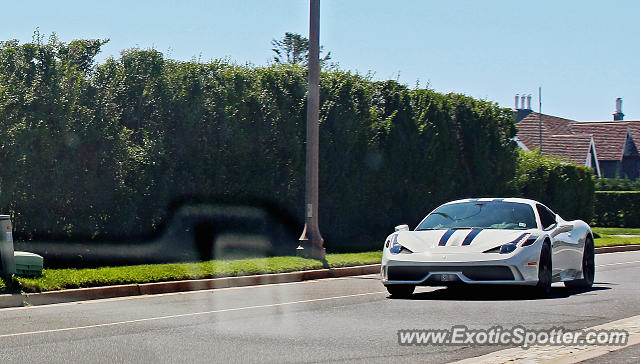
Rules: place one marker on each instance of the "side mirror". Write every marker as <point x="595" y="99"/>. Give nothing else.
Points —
<point x="404" y="227"/>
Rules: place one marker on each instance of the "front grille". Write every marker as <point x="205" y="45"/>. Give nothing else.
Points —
<point x="477" y="273"/>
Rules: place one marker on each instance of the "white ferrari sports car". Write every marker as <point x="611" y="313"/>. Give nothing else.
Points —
<point x="497" y="241"/>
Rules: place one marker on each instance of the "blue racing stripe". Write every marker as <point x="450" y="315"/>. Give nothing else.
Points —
<point x="445" y="237"/>
<point x="518" y="238"/>
<point x="472" y="235"/>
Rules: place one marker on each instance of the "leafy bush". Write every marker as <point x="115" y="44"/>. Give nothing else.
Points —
<point x="103" y="150"/>
<point x="617" y="184"/>
<point x="617" y="208"/>
<point x="565" y="188"/>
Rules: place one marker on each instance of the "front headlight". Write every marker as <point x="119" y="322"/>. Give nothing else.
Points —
<point x="507" y="248"/>
<point x="522" y="240"/>
<point x="395" y="247"/>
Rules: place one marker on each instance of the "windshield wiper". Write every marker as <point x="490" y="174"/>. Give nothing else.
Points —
<point x="443" y="214"/>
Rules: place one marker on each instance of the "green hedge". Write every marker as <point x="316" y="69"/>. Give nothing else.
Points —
<point x="565" y="188"/>
<point x="101" y="150"/>
<point x="617" y="184"/>
<point x="617" y="209"/>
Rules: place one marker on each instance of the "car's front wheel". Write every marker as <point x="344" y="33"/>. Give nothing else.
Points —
<point x="400" y="290"/>
<point x="543" y="288"/>
<point x="588" y="268"/>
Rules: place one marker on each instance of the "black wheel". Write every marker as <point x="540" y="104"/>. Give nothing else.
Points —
<point x="543" y="288"/>
<point x="588" y="268"/>
<point x="400" y="290"/>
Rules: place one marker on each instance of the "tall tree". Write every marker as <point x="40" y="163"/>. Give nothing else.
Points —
<point x="294" y="49"/>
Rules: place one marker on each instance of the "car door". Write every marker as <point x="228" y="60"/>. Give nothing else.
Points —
<point x="571" y="247"/>
<point x="549" y="223"/>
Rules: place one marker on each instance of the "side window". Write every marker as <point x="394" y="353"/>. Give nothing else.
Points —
<point x="547" y="218"/>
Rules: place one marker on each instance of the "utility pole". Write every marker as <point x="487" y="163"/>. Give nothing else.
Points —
<point x="540" y="118"/>
<point x="311" y="242"/>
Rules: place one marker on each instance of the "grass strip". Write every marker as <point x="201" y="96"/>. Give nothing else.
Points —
<point x="613" y="241"/>
<point x="57" y="279"/>
<point x="607" y="236"/>
<point x="615" y="231"/>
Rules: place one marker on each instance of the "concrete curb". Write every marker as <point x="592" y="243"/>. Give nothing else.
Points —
<point x="84" y="294"/>
<point x="617" y="248"/>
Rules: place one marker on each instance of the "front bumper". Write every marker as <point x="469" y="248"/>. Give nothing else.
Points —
<point x="430" y="269"/>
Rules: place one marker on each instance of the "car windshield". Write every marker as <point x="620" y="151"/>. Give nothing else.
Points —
<point x="485" y="215"/>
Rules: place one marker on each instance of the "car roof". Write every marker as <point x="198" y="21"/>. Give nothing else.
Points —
<point x="490" y="199"/>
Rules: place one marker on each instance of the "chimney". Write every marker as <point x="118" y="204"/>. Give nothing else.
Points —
<point x="520" y="112"/>
<point x="618" y="115"/>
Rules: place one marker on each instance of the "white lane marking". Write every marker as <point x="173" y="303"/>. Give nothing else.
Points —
<point x="157" y="295"/>
<point x="606" y="265"/>
<point x="191" y="314"/>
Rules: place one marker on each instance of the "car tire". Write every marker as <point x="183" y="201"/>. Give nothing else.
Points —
<point x="588" y="268"/>
<point x="400" y="290"/>
<point x="545" y="272"/>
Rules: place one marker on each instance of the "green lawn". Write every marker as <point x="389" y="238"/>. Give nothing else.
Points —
<point x="56" y="279"/>
<point x="606" y="236"/>
<point x="616" y="231"/>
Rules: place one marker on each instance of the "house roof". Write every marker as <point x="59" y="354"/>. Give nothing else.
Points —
<point x="634" y="129"/>
<point x="573" y="147"/>
<point x="609" y="136"/>
<point x="528" y="129"/>
<point x="558" y="138"/>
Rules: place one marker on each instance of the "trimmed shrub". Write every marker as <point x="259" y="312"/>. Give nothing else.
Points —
<point x="617" y="209"/>
<point x="102" y="150"/>
<point x="617" y="184"/>
<point x="565" y="188"/>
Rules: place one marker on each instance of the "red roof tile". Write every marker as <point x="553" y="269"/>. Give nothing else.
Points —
<point x="528" y="129"/>
<point x="609" y="137"/>
<point x="634" y="129"/>
<point x="575" y="147"/>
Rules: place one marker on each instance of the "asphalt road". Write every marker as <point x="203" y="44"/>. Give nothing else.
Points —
<point x="347" y="319"/>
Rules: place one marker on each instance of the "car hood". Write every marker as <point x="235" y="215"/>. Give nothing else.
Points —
<point x="485" y="239"/>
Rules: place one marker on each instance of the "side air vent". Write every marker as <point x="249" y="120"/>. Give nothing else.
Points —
<point x="494" y="250"/>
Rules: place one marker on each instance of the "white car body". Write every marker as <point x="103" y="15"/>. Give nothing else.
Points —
<point x="463" y="258"/>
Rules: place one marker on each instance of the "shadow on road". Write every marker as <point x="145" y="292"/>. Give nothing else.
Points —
<point x="494" y="293"/>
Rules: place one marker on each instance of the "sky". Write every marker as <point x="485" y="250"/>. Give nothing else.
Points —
<point x="583" y="54"/>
